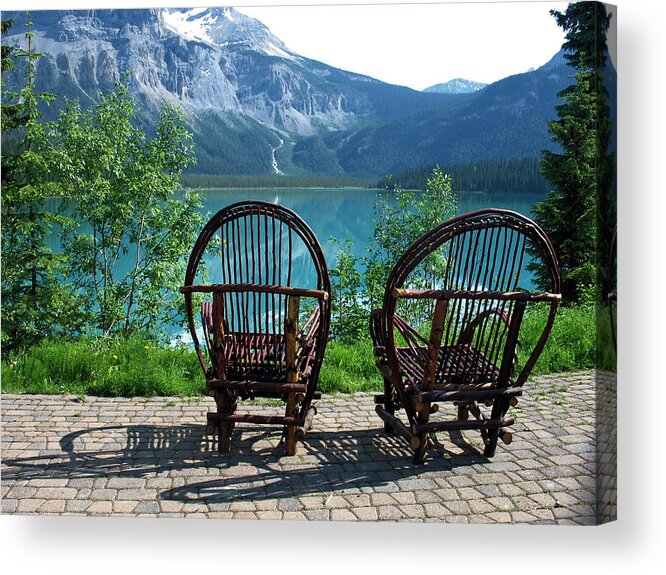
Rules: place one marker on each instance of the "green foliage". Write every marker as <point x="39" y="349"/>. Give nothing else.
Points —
<point x="119" y="188"/>
<point x="138" y="366"/>
<point x="606" y="358"/>
<point x="401" y="218"/>
<point x="572" y="342"/>
<point x="578" y="214"/>
<point x="349" y="367"/>
<point x="118" y="366"/>
<point x="232" y="145"/>
<point x="7" y="66"/>
<point x="515" y="176"/>
<point x="35" y="303"/>
<point x="312" y="154"/>
<point x="349" y="317"/>
<point x="580" y="339"/>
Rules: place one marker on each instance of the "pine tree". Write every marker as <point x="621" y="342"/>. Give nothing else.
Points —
<point x="7" y="66"/>
<point x="578" y="214"/>
<point x="34" y="301"/>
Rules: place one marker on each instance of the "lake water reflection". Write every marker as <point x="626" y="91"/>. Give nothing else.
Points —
<point x="332" y="213"/>
<point x="343" y="213"/>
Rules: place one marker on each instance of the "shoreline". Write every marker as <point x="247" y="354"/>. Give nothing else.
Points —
<point x="338" y="189"/>
<point x="284" y="189"/>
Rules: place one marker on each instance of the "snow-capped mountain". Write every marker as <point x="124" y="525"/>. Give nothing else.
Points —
<point x="256" y="107"/>
<point x="222" y="27"/>
<point x="456" y="86"/>
<point x="241" y="88"/>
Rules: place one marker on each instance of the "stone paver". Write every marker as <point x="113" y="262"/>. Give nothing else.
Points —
<point x="151" y="457"/>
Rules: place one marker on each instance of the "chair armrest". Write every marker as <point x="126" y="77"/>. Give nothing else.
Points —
<point x="411" y="335"/>
<point x="476" y="295"/>
<point x="256" y="288"/>
<point x="465" y="337"/>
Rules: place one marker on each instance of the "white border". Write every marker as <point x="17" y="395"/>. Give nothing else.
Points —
<point x="634" y="543"/>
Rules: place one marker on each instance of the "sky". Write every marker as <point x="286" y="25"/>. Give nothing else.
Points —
<point x="418" y="45"/>
<point x="415" y="44"/>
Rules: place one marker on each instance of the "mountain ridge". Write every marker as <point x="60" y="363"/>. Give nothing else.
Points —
<point x="256" y="107"/>
<point x="456" y="86"/>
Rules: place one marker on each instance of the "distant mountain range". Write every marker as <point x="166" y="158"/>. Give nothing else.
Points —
<point x="456" y="86"/>
<point x="256" y="107"/>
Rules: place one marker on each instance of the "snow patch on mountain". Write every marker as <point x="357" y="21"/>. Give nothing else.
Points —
<point x="190" y="24"/>
<point x="229" y="14"/>
<point x="223" y="27"/>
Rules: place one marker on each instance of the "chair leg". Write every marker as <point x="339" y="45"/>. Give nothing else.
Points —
<point x="226" y="405"/>
<point x="475" y="410"/>
<point x="420" y="451"/>
<point x="291" y="411"/>
<point x="224" y="437"/>
<point x="491" y="443"/>
<point x="422" y="416"/>
<point x="500" y="407"/>
<point x="388" y="405"/>
<point x="463" y="412"/>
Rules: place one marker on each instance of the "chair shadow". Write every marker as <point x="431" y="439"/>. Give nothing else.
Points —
<point x="327" y="461"/>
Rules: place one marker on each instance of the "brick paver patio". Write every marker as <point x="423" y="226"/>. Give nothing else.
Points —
<point x="151" y="457"/>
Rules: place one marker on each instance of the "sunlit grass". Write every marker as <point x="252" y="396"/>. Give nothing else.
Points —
<point x="127" y="367"/>
<point x="137" y="366"/>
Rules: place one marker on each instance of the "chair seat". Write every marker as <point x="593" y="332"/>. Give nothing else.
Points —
<point x="257" y="356"/>
<point x="460" y="368"/>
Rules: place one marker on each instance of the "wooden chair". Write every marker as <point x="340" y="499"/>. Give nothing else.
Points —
<point x="475" y="307"/>
<point x="267" y="265"/>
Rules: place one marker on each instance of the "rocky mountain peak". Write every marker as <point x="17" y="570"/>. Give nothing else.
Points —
<point x="254" y="106"/>
<point x="222" y="27"/>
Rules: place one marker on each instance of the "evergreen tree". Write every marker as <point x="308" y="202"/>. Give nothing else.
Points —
<point x="34" y="301"/>
<point x="7" y="66"/>
<point x="578" y="214"/>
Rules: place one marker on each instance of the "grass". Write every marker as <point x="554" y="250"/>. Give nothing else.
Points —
<point x="349" y="367"/>
<point x="119" y="367"/>
<point x="137" y="367"/>
<point x="578" y="335"/>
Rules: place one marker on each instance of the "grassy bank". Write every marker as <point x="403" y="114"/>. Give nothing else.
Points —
<point x="116" y="367"/>
<point x="139" y="367"/>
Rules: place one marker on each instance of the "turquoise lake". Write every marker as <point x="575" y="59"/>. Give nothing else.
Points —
<point x="332" y="213"/>
<point x="343" y="213"/>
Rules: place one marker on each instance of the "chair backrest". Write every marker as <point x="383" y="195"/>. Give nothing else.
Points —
<point x="252" y="245"/>
<point x="476" y="262"/>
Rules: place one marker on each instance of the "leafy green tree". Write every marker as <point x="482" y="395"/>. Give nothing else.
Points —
<point x="349" y="318"/>
<point x="401" y="218"/>
<point x="120" y="188"/>
<point x="35" y="303"/>
<point x="578" y="214"/>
